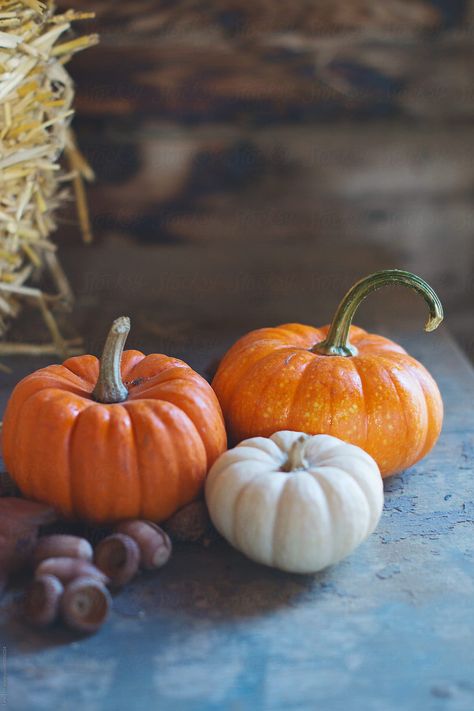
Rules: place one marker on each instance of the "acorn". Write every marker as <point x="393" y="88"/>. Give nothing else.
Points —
<point x="66" y="569"/>
<point x="60" y="545"/>
<point x="189" y="524"/>
<point x="42" y="599"/>
<point x="118" y="556"/>
<point x="85" y="604"/>
<point x="154" y="544"/>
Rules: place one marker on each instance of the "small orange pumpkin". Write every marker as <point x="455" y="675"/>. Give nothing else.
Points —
<point x="100" y="448"/>
<point x="337" y="380"/>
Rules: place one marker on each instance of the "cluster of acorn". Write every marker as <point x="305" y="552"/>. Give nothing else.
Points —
<point x="72" y="579"/>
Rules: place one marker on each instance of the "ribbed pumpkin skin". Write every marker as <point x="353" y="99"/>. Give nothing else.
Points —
<point x="145" y="457"/>
<point x="382" y="399"/>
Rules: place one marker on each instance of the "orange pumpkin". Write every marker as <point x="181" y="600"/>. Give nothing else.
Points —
<point x="100" y="448"/>
<point x="337" y="380"/>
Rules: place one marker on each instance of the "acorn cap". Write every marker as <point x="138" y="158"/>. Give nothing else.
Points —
<point x="85" y="604"/>
<point x="118" y="556"/>
<point x="66" y="569"/>
<point x="154" y="543"/>
<point x="60" y="545"/>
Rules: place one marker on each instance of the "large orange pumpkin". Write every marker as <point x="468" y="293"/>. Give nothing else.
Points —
<point x="337" y="380"/>
<point x="100" y="448"/>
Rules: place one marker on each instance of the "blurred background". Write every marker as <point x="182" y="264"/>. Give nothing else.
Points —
<point x="253" y="159"/>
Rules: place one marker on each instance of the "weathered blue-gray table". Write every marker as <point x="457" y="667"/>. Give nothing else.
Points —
<point x="390" y="628"/>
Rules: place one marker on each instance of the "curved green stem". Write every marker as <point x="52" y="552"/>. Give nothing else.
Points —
<point x="337" y="340"/>
<point x="110" y="387"/>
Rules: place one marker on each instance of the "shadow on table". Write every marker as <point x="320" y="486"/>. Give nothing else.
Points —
<point x="217" y="584"/>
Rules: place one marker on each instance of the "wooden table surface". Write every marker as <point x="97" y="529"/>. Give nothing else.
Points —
<point x="391" y="627"/>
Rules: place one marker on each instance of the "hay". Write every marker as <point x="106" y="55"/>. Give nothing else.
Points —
<point x="36" y="96"/>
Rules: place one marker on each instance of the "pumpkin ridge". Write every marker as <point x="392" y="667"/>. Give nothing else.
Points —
<point x="253" y="444"/>
<point x="200" y="442"/>
<point x="321" y="331"/>
<point x="303" y="364"/>
<point x="69" y="362"/>
<point x="167" y="363"/>
<point x="323" y="485"/>
<point x="304" y="333"/>
<point x="54" y="398"/>
<point x="336" y="494"/>
<point x="348" y="472"/>
<point x="65" y="389"/>
<point x="172" y="446"/>
<point x="426" y="381"/>
<point x="370" y="523"/>
<point x="136" y="455"/>
<point x="74" y="475"/>
<point x="275" y="521"/>
<point x="11" y="431"/>
<point x="374" y="343"/>
<point x="275" y="525"/>
<point x="128" y="362"/>
<point x="425" y="404"/>
<point x="113" y="409"/>
<point x="207" y="396"/>
<point x="268" y="382"/>
<point x="148" y="384"/>
<point x="72" y="499"/>
<point x="17" y="432"/>
<point x="18" y="412"/>
<point x="227" y="364"/>
<point x="135" y="458"/>
<point x="248" y="375"/>
<point x="332" y="405"/>
<point x="60" y="371"/>
<point x="374" y="360"/>
<point x="305" y="375"/>
<point x="57" y="380"/>
<point x="261" y="335"/>
<point x="263" y="342"/>
<point x="167" y="417"/>
<point x="355" y="362"/>
<point x="246" y="343"/>
<point x="354" y="331"/>
<point x="338" y="372"/>
<point x="401" y="407"/>
<point x="237" y="501"/>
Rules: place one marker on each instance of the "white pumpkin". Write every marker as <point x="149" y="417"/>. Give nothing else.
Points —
<point x="294" y="501"/>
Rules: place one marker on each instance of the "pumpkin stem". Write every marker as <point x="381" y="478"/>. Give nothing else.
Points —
<point x="296" y="458"/>
<point x="110" y="387"/>
<point x="337" y="340"/>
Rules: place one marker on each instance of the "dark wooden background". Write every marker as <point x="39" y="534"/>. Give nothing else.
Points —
<point x="254" y="155"/>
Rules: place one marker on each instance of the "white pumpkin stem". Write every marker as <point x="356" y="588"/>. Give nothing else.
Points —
<point x="110" y="387"/>
<point x="296" y="458"/>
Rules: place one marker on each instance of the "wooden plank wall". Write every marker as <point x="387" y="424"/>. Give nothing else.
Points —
<point x="342" y="128"/>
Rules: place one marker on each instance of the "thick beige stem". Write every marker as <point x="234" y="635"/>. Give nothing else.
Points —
<point x="296" y="458"/>
<point x="110" y="387"/>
